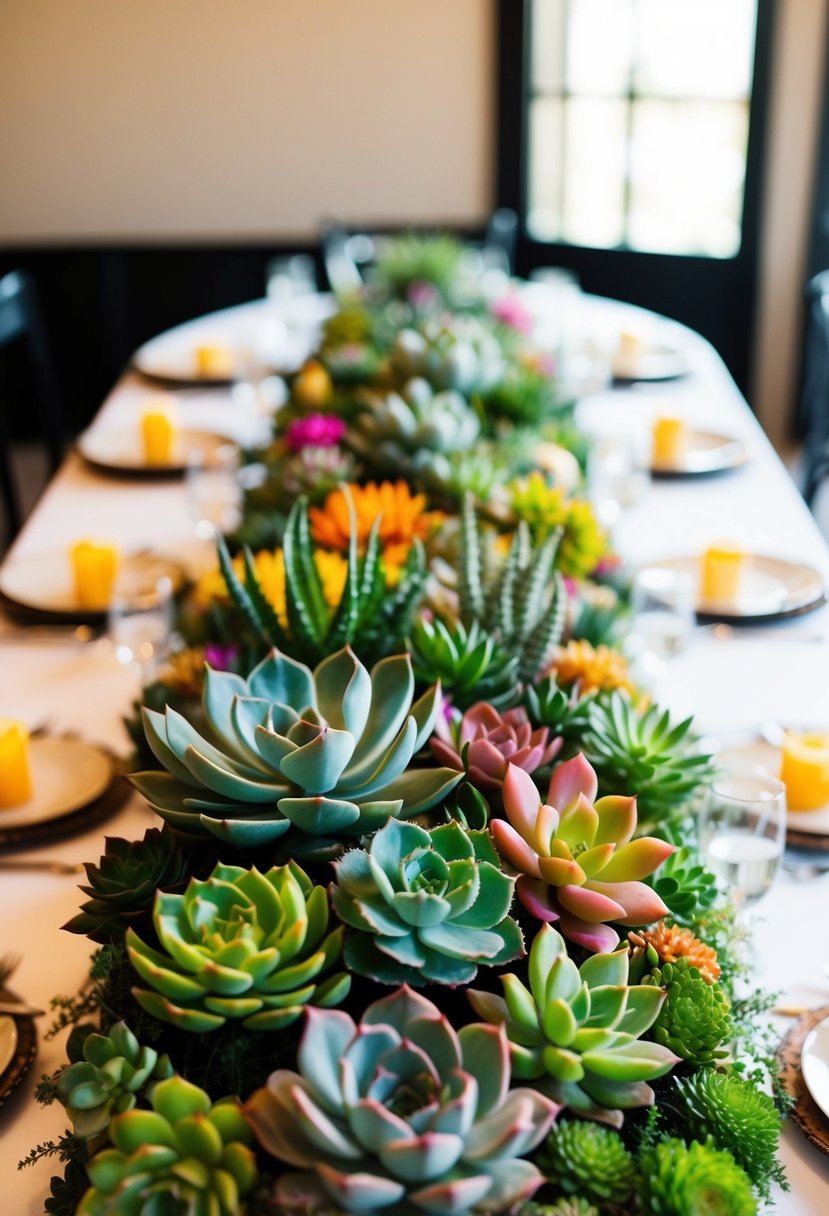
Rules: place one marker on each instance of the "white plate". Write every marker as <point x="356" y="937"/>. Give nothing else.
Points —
<point x="814" y="1064"/>
<point x="762" y="755"/>
<point x="67" y="774"/>
<point x="653" y="361"/>
<point x="706" y="452"/>
<point x="43" y="581"/>
<point x="8" y="1042"/>
<point x="770" y="587"/>
<point x="120" y="450"/>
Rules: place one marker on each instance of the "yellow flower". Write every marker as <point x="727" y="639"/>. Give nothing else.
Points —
<point x="596" y="669"/>
<point x="544" y="508"/>
<point x="270" y="571"/>
<point x="404" y="519"/>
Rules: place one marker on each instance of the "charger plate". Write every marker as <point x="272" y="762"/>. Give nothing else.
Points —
<point x="22" y="1055"/>
<point x="118" y="451"/>
<point x="805" y="1113"/>
<point x="772" y="589"/>
<point x="39" y="586"/>
<point x="706" y="453"/>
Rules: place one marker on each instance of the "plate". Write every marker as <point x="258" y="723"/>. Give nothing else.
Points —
<point x="653" y="361"/>
<point x="8" y="1042"/>
<point x="772" y="589"/>
<point x="804" y="1113"/>
<point x="66" y="774"/>
<point x="706" y="452"/>
<point x="118" y="450"/>
<point x="814" y="1064"/>
<point x="758" y="753"/>
<point x="23" y="1052"/>
<point x="40" y="586"/>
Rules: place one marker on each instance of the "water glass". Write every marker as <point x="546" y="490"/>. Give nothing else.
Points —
<point x="140" y="621"/>
<point x="616" y="477"/>
<point x="664" y="615"/>
<point x="288" y="277"/>
<point x="213" y="489"/>
<point x="742" y="832"/>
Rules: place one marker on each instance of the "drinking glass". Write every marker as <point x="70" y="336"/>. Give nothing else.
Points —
<point x="140" y="620"/>
<point x="213" y="489"/>
<point x="287" y="277"/>
<point x="742" y="831"/>
<point x="663" y="603"/>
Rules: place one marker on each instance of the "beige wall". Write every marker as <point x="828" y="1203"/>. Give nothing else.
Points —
<point x="238" y="118"/>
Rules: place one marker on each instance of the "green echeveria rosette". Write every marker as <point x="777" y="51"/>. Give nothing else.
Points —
<point x="116" y="1070"/>
<point x="695" y="1019"/>
<point x="684" y="885"/>
<point x="400" y="1113"/>
<point x="737" y="1116"/>
<point x="587" y="1160"/>
<point x="575" y="1033"/>
<point x="184" y="1155"/>
<point x="469" y="663"/>
<point x="425" y="906"/>
<point x="122" y="886"/>
<point x="693" y="1180"/>
<point x="241" y="945"/>
<point x="324" y="752"/>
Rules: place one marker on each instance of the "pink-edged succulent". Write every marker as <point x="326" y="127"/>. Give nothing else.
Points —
<point x="401" y="1114"/>
<point x="578" y="863"/>
<point x="482" y="742"/>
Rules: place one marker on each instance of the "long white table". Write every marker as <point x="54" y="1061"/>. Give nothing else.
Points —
<point x="781" y="674"/>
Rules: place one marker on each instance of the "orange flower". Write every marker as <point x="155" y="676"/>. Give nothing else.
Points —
<point x="404" y="519"/>
<point x="596" y="669"/>
<point x="672" y="942"/>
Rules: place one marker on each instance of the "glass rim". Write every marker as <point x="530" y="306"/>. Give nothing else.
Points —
<point x="764" y="780"/>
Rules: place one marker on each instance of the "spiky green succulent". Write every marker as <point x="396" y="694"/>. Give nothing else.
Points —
<point x="737" y="1116"/>
<point x="425" y="906"/>
<point x="678" y="1179"/>
<point x="402" y="1114"/>
<point x="470" y="665"/>
<point x="404" y="429"/>
<point x="241" y="945"/>
<point x="684" y="885"/>
<point x="695" y="1020"/>
<point x="563" y="711"/>
<point x="323" y="754"/>
<point x="522" y="602"/>
<point x="115" y="1072"/>
<point x="575" y="1033"/>
<point x="647" y="752"/>
<point x="184" y="1155"/>
<point x="371" y="614"/>
<point x="122" y="886"/>
<point x="585" y="1159"/>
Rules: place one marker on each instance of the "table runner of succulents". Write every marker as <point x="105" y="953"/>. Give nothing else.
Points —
<point x="425" y="929"/>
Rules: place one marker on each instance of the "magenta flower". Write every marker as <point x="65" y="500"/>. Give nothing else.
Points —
<point x="314" y="431"/>
<point x="511" y="311"/>
<point x="577" y="860"/>
<point x="422" y="294"/>
<point x="220" y="658"/>
<point x="483" y="742"/>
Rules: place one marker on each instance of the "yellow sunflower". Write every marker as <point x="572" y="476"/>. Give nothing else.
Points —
<point x="404" y="519"/>
<point x="270" y="570"/>
<point x="595" y="668"/>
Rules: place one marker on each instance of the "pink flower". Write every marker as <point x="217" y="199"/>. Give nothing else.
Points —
<point x="483" y="742"/>
<point x="422" y="294"/>
<point x="220" y="658"/>
<point x="511" y="311"/>
<point x="314" y="431"/>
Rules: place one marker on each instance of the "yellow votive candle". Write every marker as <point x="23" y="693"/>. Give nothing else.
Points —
<point x="804" y="770"/>
<point x="670" y="440"/>
<point x="214" y="359"/>
<point x="158" y="435"/>
<point x="94" y="567"/>
<point x="722" y="568"/>
<point x="15" y="770"/>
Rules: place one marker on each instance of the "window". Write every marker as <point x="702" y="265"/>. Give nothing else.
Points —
<point x="638" y="123"/>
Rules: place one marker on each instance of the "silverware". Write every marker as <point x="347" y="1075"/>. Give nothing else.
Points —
<point x="49" y="865"/>
<point x="18" y="1009"/>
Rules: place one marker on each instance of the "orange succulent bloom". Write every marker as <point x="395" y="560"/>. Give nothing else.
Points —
<point x="671" y="942"/>
<point x="595" y="668"/>
<point x="404" y="519"/>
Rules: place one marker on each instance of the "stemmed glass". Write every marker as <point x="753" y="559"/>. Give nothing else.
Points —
<point x="742" y="831"/>
<point x="213" y="490"/>
<point x="139" y="622"/>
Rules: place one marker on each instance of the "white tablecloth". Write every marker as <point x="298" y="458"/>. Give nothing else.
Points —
<point x="783" y="675"/>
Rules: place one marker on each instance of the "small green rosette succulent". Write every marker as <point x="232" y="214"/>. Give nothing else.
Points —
<point x="469" y="663"/>
<point x="695" y="1019"/>
<point x="679" y="1179"/>
<point x="425" y="906"/>
<point x="402" y="1114"/>
<point x="326" y="752"/>
<point x="240" y="945"/>
<point x="114" y="1073"/>
<point x="575" y="1032"/>
<point x="582" y="1158"/>
<point x="184" y="1155"/>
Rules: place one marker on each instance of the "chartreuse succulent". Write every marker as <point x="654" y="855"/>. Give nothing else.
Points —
<point x="184" y="1155"/>
<point x="575" y="1033"/>
<point x="115" y="1072"/>
<point x="241" y="945"/>
<point x="323" y="752"/>
<point x="695" y="1020"/>
<point x="737" y="1116"/>
<point x="425" y="906"/>
<point x="647" y="752"/>
<point x="678" y="1179"/>
<point x="469" y="663"/>
<point x="586" y="1159"/>
<point x="401" y="1113"/>
<point x="577" y="860"/>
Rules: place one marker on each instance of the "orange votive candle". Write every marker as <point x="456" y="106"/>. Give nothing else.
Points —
<point x="804" y="770"/>
<point x="15" y="771"/>
<point x="94" y="567"/>
<point x="158" y="436"/>
<point x="214" y="359"/>
<point x="670" y="440"/>
<point x="722" y="567"/>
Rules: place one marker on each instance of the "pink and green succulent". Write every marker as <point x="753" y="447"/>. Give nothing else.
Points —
<point x="401" y="1114"/>
<point x="578" y="862"/>
<point x="425" y="906"/>
<point x="483" y="741"/>
<point x="575" y="1031"/>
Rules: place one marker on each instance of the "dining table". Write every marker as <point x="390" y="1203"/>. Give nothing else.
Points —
<point x="731" y="680"/>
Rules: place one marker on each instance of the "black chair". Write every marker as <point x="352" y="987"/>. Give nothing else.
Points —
<point x="21" y="320"/>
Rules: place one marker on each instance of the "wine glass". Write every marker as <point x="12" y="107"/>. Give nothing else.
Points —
<point x="663" y="603"/>
<point x="742" y="832"/>
<point x="140" y="621"/>
<point x="213" y="489"/>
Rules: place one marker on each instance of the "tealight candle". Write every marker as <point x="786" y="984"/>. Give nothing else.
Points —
<point x="94" y="567"/>
<point x="722" y="567"/>
<point x="214" y="359"/>
<point x="670" y="441"/>
<point x="158" y="434"/>
<point x="15" y="771"/>
<point x="804" y="770"/>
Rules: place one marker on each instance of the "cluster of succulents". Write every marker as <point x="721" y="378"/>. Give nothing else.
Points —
<point x="545" y="510"/>
<point x="470" y="665"/>
<point x="463" y="355"/>
<point x="402" y="430"/>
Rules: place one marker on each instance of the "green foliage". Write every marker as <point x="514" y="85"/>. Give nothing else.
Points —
<point x="567" y="1205"/>
<point x="588" y="1160"/>
<point x="684" y="885"/>
<point x="564" y="711"/>
<point x="469" y="663"/>
<point x="66" y="1191"/>
<point x="695" y="1020"/>
<point x="523" y="397"/>
<point x="693" y="1180"/>
<point x="413" y="259"/>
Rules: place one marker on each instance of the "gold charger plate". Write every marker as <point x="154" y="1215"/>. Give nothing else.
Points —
<point x="117" y="451"/>
<point x="772" y="589"/>
<point x="706" y="452"/>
